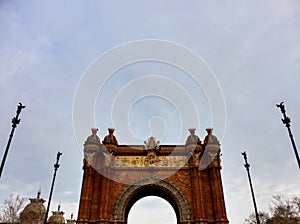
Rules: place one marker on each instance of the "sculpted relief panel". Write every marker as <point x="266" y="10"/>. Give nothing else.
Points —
<point x="151" y="161"/>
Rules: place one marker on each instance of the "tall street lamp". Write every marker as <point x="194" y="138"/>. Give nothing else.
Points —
<point x="56" y="166"/>
<point x="247" y="166"/>
<point x="15" y="121"/>
<point x="286" y="120"/>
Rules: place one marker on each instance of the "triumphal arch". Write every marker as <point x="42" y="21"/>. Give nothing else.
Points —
<point x="187" y="176"/>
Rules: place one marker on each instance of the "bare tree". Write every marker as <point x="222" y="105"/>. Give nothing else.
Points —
<point x="296" y="202"/>
<point x="282" y="211"/>
<point x="285" y="211"/>
<point x="263" y="217"/>
<point x="11" y="209"/>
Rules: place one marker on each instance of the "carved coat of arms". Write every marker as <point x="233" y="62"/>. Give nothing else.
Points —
<point x="152" y="146"/>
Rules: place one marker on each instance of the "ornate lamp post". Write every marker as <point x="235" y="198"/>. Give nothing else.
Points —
<point x="286" y="120"/>
<point x="56" y="166"/>
<point x="247" y="166"/>
<point x="15" y="121"/>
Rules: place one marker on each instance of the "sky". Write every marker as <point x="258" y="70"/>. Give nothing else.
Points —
<point x="250" y="51"/>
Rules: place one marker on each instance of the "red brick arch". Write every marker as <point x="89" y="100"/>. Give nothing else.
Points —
<point x="156" y="187"/>
<point x="116" y="176"/>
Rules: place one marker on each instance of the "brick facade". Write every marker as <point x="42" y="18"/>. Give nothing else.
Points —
<point x="116" y="176"/>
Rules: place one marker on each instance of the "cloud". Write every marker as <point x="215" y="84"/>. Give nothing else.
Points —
<point x="252" y="48"/>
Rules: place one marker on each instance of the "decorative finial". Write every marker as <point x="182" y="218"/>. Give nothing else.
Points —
<point x="39" y="193"/>
<point x="111" y="130"/>
<point x="94" y="130"/>
<point x="59" y="205"/>
<point x="93" y="138"/>
<point x="110" y="138"/>
<point x="192" y="138"/>
<point x="209" y="130"/>
<point x="192" y="130"/>
<point x="210" y="138"/>
<point x="72" y="215"/>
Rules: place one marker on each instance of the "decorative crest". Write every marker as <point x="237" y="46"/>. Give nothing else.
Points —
<point x="152" y="144"/>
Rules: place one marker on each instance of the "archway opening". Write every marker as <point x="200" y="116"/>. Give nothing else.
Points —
<point x="152" y="209"/>
<point x="151" y="186"/>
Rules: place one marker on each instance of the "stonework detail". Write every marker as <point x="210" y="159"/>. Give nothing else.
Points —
<point x="107" y="158"/>
<point x="155" y="182"/>
<point x="34" y="212"/>
<point x="89" y="156"/>
<point x="57" y="217"/>
<point x="91" y="147"/>
<point x="152" y="160"/>
<point x="196" y="158"/>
